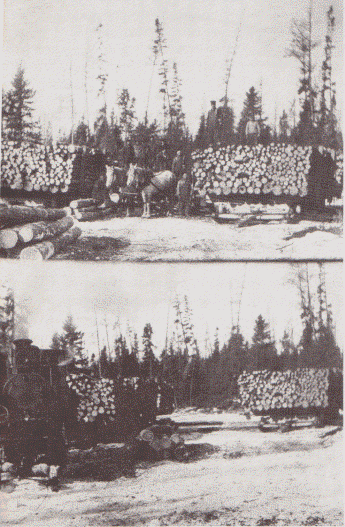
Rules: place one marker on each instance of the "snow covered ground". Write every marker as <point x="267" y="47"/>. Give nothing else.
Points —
<point x="255" y="478"/>
<point x="200" y="239"/>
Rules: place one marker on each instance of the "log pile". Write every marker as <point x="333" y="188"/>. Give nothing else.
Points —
<point x="88" y="210"/>
<point x="96" y="397"/>
<point x="21" y="227"/>
<point x="161" y="440"/>
<point x="273" y="170"/>
<point x="54" y="169"/>
<point x="304" y="388"/>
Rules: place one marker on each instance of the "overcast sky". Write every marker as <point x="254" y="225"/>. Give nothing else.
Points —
<point x="130" y="295"/>
<point x="51" y="36"/>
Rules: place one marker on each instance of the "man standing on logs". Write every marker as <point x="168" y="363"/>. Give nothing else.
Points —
<point x="252" y="131"/>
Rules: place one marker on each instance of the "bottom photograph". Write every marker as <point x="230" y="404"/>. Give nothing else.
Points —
<point x="171" y="394"/>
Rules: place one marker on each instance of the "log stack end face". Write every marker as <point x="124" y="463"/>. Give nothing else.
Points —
<point x="304" y="388"/>
<point x="276" y="170"/>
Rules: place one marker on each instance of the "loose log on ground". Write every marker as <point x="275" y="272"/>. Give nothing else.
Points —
<point x="47" y="249"/>
<point x="93" y="215"/>
<point x="43" y="230"/>
<point x="82" y="203"/>
<point x="17" y="214"/>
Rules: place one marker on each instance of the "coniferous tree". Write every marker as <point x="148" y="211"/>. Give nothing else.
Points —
<point x="251" y="108"/>
<point x="327" y="123"/>
<point x="17" y="107"/>
<point x="149" y="365"/>
<point x="71" y="340"/>
<point x="201" y="136"/>
<point x="301" y="47"/>
<point x="127" y="119"/>
<point x="262" y="353"/>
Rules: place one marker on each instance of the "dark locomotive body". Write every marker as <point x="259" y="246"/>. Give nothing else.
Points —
<point x="34" y="396"/>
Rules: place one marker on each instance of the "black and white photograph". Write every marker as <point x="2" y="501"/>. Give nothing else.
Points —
<point x="171" y="263"/>
<point x="170" y="130"/>
<point x="144" y="399"/>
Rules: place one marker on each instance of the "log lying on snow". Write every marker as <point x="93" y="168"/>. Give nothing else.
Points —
<point x="16" y="215"/>
<point x="90" y="215"/>
<point x="47" y="249"/>
<point x="42" y="230"/>
<point x="33" y="232"/>
<point x="83" y="203"/>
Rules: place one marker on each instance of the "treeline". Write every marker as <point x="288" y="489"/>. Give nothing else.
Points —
<point x="120" y="134"/>
<point x="210" y="379"/>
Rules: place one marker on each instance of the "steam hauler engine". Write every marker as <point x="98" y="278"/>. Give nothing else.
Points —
<point x="33" y="411"/>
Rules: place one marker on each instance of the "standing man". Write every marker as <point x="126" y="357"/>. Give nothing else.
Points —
<point x="161" y="161"/>
<point x="177" y="165"/>
<point x="183" y="194"/>
<point x="252" y="131"/>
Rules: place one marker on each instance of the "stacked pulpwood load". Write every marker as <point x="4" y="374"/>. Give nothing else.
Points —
<point x="54" y="169"/>
<point x="300" y="390"/>
<point x="21" y="227"/>
<point x="88" y="210"/>
<point x="276" y="170"/>
<point x="107" y="400"/>
<point x="96" y="397"/>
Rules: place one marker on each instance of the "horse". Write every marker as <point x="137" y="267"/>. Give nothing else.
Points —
<point x="150" y="184"/>
<point x="163" y="183"/>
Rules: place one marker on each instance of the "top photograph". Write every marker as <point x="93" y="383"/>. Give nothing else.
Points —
<point x="172" y="131"/>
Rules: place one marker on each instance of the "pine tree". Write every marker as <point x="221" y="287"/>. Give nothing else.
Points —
<point x="71" y="340"/>
<point x="263" y="353"/>
<point x="159" y="47"/>
<point x="301" y="47"/>
<point x="251" y="108"/>
<point x="126" y="104"/>
<point x="17" y="107"/>
<point x="149" y="366"/>
<point x="327" y="123"/>
<point x="201" y="136"/>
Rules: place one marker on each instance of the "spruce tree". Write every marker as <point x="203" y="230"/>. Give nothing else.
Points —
<point x="17" y="106"/>
<point x="251" y="108"/>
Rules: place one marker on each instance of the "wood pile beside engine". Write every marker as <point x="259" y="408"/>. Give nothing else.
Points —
<point x="276" y="171"/>
<point x="292" y="392"/>
<point x="21" y="227"/>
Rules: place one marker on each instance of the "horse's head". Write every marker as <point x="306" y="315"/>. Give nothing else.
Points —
<point x="137" y="176"/>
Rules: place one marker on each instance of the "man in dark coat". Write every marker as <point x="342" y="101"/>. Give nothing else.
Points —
<point x="183" y="194"/>
<point x="177" y="165"/>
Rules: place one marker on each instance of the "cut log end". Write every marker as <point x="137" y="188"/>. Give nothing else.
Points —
<point x="8" y="239"/>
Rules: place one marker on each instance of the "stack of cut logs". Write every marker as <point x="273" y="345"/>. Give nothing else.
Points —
<point x="35" y="167"/>
<point x="88" y="210"/>
<point x="58" y="168"/>
<point x="276" y="169"/>
<point x="21" y="227"/>
<point x="303" y="388"/>
<point x="96" y="397"/>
